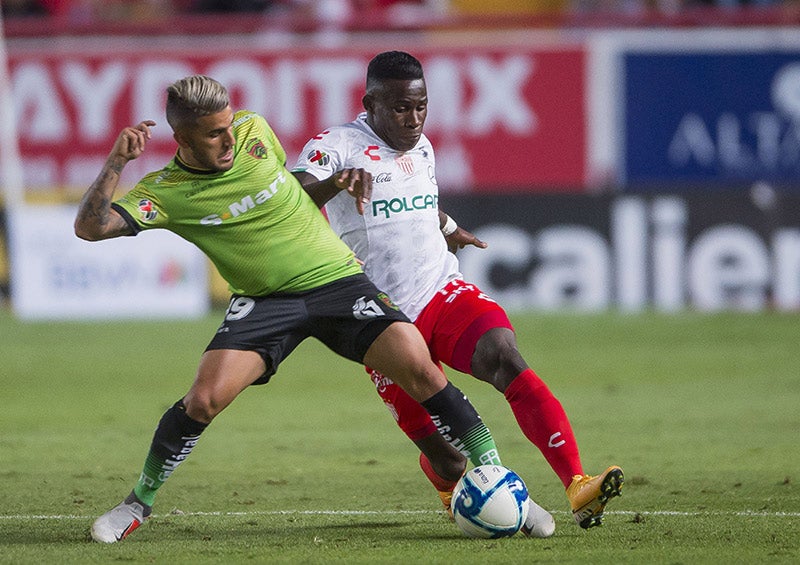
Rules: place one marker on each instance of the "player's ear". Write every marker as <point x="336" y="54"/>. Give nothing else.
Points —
<point x="368" y="102"/>
<point x="178" y="137"/>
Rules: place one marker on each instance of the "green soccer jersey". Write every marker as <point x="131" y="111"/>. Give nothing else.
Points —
<point x="255" y="222"/>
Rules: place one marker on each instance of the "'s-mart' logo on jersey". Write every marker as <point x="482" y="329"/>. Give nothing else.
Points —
<point x="247" y="203"/>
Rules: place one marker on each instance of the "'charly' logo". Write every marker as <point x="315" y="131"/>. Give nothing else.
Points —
<point x="363" y="309"/>
<point x="369" y="150"/>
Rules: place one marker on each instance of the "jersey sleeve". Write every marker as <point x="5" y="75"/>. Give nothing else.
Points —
<point x="322" y="155"/>
<point x="141" y="210"/>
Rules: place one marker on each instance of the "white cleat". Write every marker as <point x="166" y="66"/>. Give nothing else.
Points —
<point x="117" y="523"/>
<point x="539" y="523"/>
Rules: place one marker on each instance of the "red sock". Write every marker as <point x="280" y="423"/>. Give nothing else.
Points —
<point x="439" y="483"/>
<point x="543" y="421"/>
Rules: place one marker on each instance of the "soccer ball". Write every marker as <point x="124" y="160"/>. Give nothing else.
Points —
<point x="490" y="501"/>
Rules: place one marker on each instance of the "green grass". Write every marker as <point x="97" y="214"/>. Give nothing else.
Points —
<point x="702" y="411"/>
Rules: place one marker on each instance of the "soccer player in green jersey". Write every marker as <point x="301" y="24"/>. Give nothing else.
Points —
<point x="227" y="190"/>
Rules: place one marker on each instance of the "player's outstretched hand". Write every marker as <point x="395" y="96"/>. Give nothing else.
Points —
<point x="460" y="238"/>
<point x="131" y="140"/>
<point x="358" y="183"/>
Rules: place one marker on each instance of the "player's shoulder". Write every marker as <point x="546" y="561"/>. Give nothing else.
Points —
<point x="333" y="135"/>
<point x="245" y="118"/>
<point x="348" y="132"/>
<point x="424" y="144"/>
<point x="162" y="178"/>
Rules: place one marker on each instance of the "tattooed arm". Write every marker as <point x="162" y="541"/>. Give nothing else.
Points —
<point x="96" y="220"/>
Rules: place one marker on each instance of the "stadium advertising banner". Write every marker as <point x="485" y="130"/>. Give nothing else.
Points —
<point x="501" y="117"/>
<point x="718" y="118"/>
<point x="58" y="276"/>
<point x="637" y="252"/>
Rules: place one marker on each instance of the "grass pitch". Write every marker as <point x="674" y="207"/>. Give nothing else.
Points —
<point x="702" y="412"/>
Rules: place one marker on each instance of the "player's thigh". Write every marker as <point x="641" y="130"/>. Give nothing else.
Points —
<point x="348" y="315"/>
<point x="221" y="376"/>
<point x="400" y="353"/>
<point x="273" y="326"/>
<point x="456" y="319"/>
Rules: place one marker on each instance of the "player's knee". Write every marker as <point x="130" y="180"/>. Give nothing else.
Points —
<point x="497" y="360"/>
<point x="202" y="407"/>
<point x="420" y="379"/>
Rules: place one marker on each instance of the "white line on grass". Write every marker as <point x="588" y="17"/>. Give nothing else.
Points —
<point x="741" y="513"/>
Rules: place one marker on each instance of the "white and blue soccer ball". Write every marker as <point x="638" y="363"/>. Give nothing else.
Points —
<point x="490" y="501"/>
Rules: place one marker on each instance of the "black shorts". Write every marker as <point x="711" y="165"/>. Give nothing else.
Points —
<point x="346" y="315"/>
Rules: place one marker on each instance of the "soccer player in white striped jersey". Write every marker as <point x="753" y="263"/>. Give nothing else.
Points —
<point x="398" y="230"/>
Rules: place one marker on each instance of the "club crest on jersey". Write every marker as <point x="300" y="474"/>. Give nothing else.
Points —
<point x="406" y="164"/>
<point x="147" y="212"/>
<point x="319" y="157"/>
<point x="255" y="148"/>
<point x="388" y="301"/>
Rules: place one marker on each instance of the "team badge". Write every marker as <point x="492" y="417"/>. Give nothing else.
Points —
<point x="255" y="148"/>
<point x="147" y="211"/>
<point x="319" y="157"/>
<point x="388" y="301"/>
<point x="406" y="164"/>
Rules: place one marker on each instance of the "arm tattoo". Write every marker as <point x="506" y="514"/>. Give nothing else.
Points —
<point x="96" y="203"/>
<point x="94" y="212"/>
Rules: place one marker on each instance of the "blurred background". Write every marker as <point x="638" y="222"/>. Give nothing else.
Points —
<point x="615" y="154"/>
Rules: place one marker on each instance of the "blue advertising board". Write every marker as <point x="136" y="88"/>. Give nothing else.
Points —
<point x="711" y="119"/>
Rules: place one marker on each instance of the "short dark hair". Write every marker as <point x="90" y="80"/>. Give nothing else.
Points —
<point x="392" y="65"/>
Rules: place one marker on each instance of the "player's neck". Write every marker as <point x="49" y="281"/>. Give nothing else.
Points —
<point x="189" y="163"/>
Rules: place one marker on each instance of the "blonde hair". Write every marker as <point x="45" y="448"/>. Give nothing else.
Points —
<point x="192" y="97"/>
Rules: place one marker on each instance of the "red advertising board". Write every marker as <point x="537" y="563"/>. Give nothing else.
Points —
<point x="507" y="118"/>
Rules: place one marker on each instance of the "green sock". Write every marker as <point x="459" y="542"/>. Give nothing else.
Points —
<point x="478" y="441"/>
<point x="173" y="441"/>
<point x="151" y="479"/>
<point x="461" y="425"/>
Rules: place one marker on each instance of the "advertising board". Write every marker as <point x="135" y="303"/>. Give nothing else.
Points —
<point x="58" y="276"/>
<point x="725" y="119"/>
<point x="501" y="117"/>
<point x="636" y="252"/>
